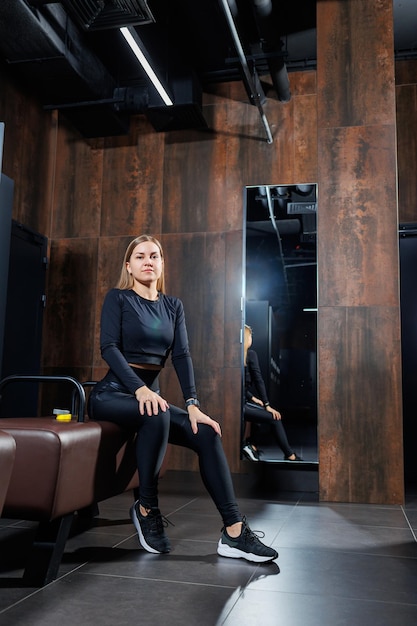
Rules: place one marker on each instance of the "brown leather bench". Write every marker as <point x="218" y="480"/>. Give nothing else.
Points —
<point x="60" y="469"/>
<point x="7" y="455"/>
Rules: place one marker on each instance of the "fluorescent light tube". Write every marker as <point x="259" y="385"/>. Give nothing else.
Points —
<point x="131" y="40"/>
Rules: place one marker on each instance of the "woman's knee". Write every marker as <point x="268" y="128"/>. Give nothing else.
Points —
<point x="159" y="422"/>
<point x="206" y="437"/>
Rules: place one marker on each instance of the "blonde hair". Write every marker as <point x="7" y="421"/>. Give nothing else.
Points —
<point x="246" y="342"/>
<point x="125" y="279"/>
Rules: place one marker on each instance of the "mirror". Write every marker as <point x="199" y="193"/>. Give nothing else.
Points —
<point x="280" y="307"/>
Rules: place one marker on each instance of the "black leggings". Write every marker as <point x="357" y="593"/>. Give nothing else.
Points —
<point x="110" y="401"/>
<point x="256" y="414"/>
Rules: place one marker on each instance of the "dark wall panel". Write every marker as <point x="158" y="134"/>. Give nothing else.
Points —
<point x="407" y="146"/>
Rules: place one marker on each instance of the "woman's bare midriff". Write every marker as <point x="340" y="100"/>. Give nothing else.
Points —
<point x="146" y="366"/>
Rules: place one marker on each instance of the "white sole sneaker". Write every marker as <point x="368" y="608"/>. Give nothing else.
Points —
<point x="142" y="540"/>
<point x="233" y="553"/>
<point x="248" y="452"/>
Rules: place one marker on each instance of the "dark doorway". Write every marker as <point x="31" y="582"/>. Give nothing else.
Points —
<point x="23" y="320"/>
<point x="408" y="281"/>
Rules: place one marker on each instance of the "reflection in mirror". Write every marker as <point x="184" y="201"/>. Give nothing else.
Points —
<point x="281" y="309"/>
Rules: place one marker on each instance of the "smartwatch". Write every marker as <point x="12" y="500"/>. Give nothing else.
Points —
<point x="191" y="402"/>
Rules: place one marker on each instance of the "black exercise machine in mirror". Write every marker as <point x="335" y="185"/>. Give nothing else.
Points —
<point x="280" y="307"/>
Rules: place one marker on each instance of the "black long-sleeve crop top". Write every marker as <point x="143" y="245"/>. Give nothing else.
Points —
<point x="136" y="330"/>
<point x="254" y="383"/>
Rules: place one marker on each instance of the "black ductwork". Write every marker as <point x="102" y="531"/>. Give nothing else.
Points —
<point x="50" y="49"/>
<point x="52" y="57"/>
<point x="272" y="47"/>
<point x="49" y="52"/>
<point x="185" y="114"/>
<point x="111" y="116"/>
<point x="104" y="14"/>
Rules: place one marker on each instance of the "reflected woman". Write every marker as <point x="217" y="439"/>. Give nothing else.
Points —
<point x="256" y="408"/>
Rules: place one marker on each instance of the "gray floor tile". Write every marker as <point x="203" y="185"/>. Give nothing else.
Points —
<point x="188" y="562"/>
<point x="298" y="609"/>
<point x="109" y="601"/>
<point x="357" y="514"/>
<point x="348" y="537"/>
<point x="343" y="574"/>
<point x="339" y="564"/>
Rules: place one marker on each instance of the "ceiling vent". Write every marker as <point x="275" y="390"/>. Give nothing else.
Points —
<point x="104" y="14"/>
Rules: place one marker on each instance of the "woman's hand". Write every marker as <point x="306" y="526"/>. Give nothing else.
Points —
<point x="257" y="401"/>
<point x="275" y="414"/>
<point x="150" y="401"/>
<point x="198" y="417"/>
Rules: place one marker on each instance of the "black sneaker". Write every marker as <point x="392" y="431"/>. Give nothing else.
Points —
<point x="250" y="452"/>
<point x="246" y="546"/>
<point x="150" y="529"/>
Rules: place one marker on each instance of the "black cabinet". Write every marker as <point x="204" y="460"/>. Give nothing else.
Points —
<point x="24" y="316"/>
<point x="408" y="281"/>
<point x="6" y="208"/>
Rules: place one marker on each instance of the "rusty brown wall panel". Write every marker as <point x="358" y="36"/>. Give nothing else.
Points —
<point x="132" y="182"/>
<point x="195" y="273"/>
<point x="359" y="353"/>
<point x="305" y="139"/>
<point x="252" y="160"/>
<point x="232" y="348"/>
<point x="360" y="425"/>
<point x="406" y="72"/>
<point x="28" y="156"/>
<point x="110" y="254"/>
<point x="355" y="48"/>
<point x="230" y="416"/>
<point x="189" y="170"/>
<point x="357" y="217"/>
<point x="179" y="457"/>
<point x="77" y="188"/>
<point x="219" y="391"/>
<point x="407" y="151"/>
<point x="303" y="83"/>
<point x="70" y="310"/>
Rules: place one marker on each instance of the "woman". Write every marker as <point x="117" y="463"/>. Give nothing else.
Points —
<point x="257" y="408"/>
<point x="140" y="327"/>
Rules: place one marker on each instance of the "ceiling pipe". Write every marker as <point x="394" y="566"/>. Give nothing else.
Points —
<point x="233" y="7"/>
<point x="272" y="45"/>
<point x="255" y="95"/>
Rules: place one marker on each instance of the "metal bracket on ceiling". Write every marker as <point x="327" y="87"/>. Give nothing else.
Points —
<point x="249" y="79"/>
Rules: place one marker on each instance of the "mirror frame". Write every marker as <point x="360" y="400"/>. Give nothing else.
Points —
<point x="291" y="207"/>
